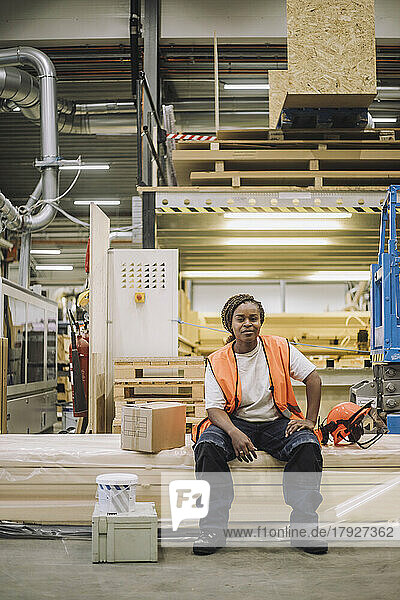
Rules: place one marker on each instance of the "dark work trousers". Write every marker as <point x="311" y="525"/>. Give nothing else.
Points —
<point x="301" y="478"/>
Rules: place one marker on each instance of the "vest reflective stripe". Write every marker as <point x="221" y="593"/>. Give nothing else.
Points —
<point x="224" y="366"/>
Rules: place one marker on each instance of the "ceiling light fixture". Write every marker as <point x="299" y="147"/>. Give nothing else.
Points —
<point x="283" y="241"/>
<point x="384" y="119"/>
<point x="339" y="276"/>
<point x="220" y="274"/>
<point x="287" y="215"/>
<point x="45" y="251"/>
<point x="246" y="86"/>
<point x="98" y="202"/>
<point x="94" y="167"/>
<point x="54" y="268"/>
<point x="288" y="225"/>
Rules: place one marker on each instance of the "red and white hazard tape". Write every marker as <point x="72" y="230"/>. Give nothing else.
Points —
<point x="183" y="137"/>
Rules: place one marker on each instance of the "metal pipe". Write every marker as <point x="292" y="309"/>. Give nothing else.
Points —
<point x="139" y="125"/>
<point x="10" y="213"/>
<point x="150" y="99"/>
<point x="134" y="31"/>
<point x="154" y="153"/>
<point x="21" y="90"/>
<point x="48" y="121"/>
<point x="24" y="259"/>
<point x="34" y="197"/>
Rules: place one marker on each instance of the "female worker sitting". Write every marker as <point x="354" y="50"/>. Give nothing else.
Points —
<point x="251" y="406"/>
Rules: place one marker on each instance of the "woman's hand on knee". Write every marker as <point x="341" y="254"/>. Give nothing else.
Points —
<point x="243" y="446"/>
<point x="296" y="424"/>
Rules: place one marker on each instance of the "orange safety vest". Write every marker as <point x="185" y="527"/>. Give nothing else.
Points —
<point x="224" y="367"/>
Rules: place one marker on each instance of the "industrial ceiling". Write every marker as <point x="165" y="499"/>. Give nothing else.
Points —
<point x="102" y="74"/>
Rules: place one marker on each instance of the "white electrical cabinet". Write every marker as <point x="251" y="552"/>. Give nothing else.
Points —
<point x="142" y="303"/>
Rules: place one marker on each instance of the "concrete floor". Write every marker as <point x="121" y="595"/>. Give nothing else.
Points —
<point x="62" y="569"/>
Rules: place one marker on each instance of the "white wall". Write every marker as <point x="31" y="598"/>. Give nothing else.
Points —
<point x="52" y="22"/>
<point x="56" y="22"/>
<point x="262" y="19"/>
<point x="300" y="297"/>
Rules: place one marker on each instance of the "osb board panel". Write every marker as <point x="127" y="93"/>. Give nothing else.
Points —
<point x="278" y="87"/>
<point x="331" y="46"/>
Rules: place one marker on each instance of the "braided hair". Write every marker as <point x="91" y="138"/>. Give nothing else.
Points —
<point x="231" y="305"/>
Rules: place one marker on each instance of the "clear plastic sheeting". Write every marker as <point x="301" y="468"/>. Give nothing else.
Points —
<point x="52" y="479"/>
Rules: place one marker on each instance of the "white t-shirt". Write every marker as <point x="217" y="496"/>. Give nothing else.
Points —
<point x="257" y="403"/>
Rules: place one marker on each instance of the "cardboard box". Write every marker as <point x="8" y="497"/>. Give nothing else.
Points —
<point x="153" y="426"/>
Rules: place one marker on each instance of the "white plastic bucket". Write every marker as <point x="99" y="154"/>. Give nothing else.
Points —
<point x="116" y="492"/>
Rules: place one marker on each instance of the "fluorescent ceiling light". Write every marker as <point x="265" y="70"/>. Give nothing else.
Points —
<point x="289" y="215"/>
<point x="98" y="167"/>
<point x="16" y="109"/>
<point x="251" y="112"/>
<point x="293" y="225"/>
<point x="98" y="202"/>
<point x="220" y="274"/>
<point x="246" y="86"/>
<point x="384" y="119"/>
<point x="45" y="251"/>
<point x="339" y="276"/>
<point x="54" y="267"/>
<point x="388" y="87"/>
<point x="283" y="241"/>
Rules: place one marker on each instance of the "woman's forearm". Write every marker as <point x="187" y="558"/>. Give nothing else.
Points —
<point x="221" y="419"/>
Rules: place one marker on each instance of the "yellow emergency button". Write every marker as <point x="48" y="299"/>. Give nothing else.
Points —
<point x="139" y="297"/>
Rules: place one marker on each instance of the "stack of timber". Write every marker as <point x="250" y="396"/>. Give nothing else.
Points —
<point x="174" y="379"/>
<point x="336" y="332"/>
<point x="269" y="160"/>
<point x="331" y="57"/>
<point x="54" y="481"/>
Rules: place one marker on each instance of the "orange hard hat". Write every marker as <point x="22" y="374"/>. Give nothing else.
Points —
<point x="344" y="423"/>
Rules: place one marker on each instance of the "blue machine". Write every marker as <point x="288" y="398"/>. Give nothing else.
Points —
<point x="385" y="287"/>
<point x="385" y="310"/>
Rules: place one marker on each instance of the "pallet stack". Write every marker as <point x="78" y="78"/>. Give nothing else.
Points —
<point x="175" y="379"/>
<point x="269" y="160"/>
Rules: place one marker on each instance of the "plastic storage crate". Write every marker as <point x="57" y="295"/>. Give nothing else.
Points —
<point x="129" y="537"/>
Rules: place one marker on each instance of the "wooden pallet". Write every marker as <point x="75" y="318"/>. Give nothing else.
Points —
<point x="314" y="179"/>
<point x="321" y="144"/>
<point x="309" y="134"/>
<point x="369" y="161"/>
<point x="180" y="388"/>
<point x="134" y="368"/>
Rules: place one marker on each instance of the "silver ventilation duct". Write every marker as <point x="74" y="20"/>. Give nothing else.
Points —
<point x="48" y="127"/>
<point x="20" y="90"/>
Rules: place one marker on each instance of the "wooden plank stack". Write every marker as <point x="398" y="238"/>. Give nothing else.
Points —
<point x="170" y="379"/>
<point x="335" y="330"/>
<point x="249" y="160"/>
